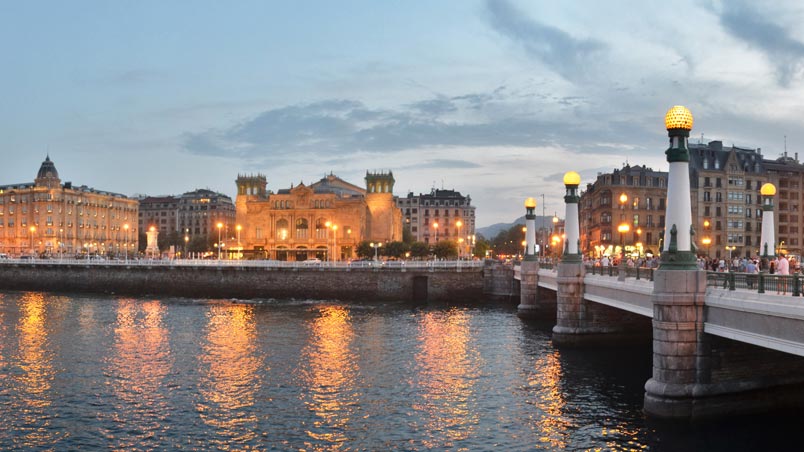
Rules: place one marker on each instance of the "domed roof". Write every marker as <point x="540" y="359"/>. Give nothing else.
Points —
<point x="47" y="170"/>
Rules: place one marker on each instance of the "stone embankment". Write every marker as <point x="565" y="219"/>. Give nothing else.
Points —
<point x="245" y="282"/>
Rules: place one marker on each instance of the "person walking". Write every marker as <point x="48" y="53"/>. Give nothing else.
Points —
<point x="783" y="269"/>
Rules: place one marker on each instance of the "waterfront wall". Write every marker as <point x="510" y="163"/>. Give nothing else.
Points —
<point x="499" y="282"/>
<point x="250" y="282"/>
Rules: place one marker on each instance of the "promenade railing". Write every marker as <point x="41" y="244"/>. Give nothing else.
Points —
<point x="456" y="265"/>
<point x="762" y="282"/>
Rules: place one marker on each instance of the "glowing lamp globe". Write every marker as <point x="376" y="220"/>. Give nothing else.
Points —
<point x="530" y="203"/>
<point x="768" y="190"/>
<point x="678" y="117"/>
<point x="572" y="178"/>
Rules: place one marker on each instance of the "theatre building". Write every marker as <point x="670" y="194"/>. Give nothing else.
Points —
<point x="49" y="218"/>
<point x="324" y="220"/>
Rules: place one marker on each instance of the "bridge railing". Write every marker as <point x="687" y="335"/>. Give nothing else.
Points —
<point x="630" y="272"/>
<point x="759" y="282"/>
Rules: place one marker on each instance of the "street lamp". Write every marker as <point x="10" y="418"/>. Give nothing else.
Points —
<point x="623" y="228"/>
<point x="730" y="249"/>
<point x="375" y="246"/>
<point x="125" y="228"/>
<point x="335" y="252"/>
<point x="186" y="239"/>
<point x="219" y="226"/>
<point x="328" y="225"/>
<point x="458" y="224"/>
<point x="435" y="226"/>
<point x="33" y="230"/>
<point x="524" y="248"/>
<point x="706" y="241"/>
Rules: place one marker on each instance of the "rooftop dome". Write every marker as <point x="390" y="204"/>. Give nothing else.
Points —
<point x="47" y="170"/>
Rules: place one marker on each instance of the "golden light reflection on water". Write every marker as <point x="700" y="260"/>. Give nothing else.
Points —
<point x="36" y="379"/>
<point x="229" y="374"/>
<point x="332" y="391"/>
<point x="449" y="368"/>
<point x="140" y="362"/>
<point x="545" y="393"/>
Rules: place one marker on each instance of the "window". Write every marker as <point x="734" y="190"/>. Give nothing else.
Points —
<point x="282" y="232"/>
<point x="301" y="228"/>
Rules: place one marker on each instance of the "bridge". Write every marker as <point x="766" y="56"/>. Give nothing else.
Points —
<point x="734" y="307"/>
<point x="739" y="348"/>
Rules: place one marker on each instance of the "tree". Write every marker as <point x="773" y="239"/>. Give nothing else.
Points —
<point x="446" y="249"/>
<point x="365" y="250"/>
<point x="419" y="249"/>
<point x="407" y="236"/>
<point x="480" y="248"/>
<point x="396" y="249"/>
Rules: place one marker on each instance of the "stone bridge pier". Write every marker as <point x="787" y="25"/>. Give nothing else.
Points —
<point x="580" y="322"/>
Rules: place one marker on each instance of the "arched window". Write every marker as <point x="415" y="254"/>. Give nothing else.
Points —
<point x="321" y="228"/>
<point x="301" y="228"/>
<point x="282" y="232"/>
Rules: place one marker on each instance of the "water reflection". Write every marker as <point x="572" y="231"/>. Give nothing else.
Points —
<point x="140" y="362"/>
<point x="229" y="379"/>
<point x="34" y="382"/>
<point x="330" y="378"/>
<point x="448" y="370"/>
<point x="545" y="393"/>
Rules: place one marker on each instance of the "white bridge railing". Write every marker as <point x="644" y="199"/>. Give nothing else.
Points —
<point x="401" y="265"/>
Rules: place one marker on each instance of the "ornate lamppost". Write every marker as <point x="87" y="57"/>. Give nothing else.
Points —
<point x="572" y="230"/>
<point x="767" y="240"/>
<point x="220" y="227"/>
<point x="678" y="251"/>
<point x="530" y="230"/>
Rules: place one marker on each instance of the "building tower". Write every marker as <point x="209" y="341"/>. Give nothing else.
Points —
<point x="250" y="187"/>
<point x="767" y="241"/>
<point x="385" y="221"/>
<point x="47" y="175"/>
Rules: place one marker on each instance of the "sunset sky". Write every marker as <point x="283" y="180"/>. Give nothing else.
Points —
<point x="495" y="99"/>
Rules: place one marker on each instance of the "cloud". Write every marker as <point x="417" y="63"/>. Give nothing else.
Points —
<point x="444" y="164"/>
<point x="742" y="21"/>
<point x="338" y="127"/>
<point x="564" y="54"/>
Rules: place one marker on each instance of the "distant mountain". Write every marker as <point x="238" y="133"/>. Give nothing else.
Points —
<point x="489" y="232"/>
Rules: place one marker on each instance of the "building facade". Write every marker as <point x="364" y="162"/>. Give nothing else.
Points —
<point x="439" y="215"/>
<point x="634" y="196"/>
<point x="47" y="217"/>
<point x="725" y="201"/>
<point x="726" y="206"/>
<point x="192" y="214"/>
<point x="787" y="174"/>
<point x="325" y="220"/>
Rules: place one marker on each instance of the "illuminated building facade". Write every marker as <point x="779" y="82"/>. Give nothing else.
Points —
<point x="193" y="214"/>
<point x="439" y="215"/>
<point x="325" y="220"/>
<point x="634" y="196"/>
<point x="726" y="209"/>
<point x="51" y="218"/>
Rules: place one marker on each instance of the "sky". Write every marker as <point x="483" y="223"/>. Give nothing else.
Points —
<point x="496" y="99"/>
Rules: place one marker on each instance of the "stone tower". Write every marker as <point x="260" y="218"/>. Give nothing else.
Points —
<point x="385" y="219"/>
<point x="249" y="188"/>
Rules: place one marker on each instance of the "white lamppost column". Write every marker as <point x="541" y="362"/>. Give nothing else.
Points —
<point x="679" y="250"/>
<point x="530" y="230"/>
<point x="572" y="229"/>
<point x="767" y="240"/>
